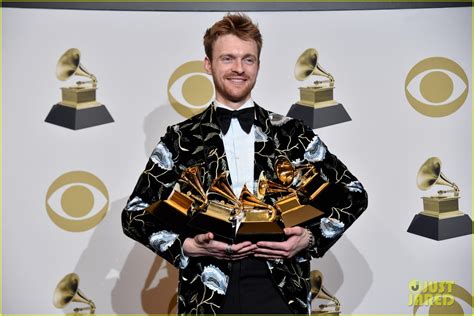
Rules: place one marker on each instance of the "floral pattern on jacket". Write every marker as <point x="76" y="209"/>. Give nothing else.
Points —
<point x="197" y="141"/>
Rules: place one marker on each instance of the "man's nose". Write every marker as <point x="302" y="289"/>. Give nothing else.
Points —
<point x="237" y="66"/>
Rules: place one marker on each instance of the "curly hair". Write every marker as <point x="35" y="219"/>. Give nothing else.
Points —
<point x="237" y="24"/>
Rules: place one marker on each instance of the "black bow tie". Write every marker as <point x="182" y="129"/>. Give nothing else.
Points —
<point x="245" y="116"/>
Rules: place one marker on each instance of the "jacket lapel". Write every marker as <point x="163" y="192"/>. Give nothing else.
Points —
<point x="264" y="156"/>
<point x="215" y="160"/>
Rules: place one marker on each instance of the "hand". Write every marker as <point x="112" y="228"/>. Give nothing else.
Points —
<point x="205" y="245"/>
<point x="298" y="240"/>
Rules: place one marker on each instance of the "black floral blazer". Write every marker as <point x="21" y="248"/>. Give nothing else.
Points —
<point x="197" y="141"/>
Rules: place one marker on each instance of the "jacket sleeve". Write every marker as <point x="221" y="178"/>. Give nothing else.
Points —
<point x="156" y="183"/>
<point x="342" y="201"/>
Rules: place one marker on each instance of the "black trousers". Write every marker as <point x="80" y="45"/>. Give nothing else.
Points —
<point x="251" y="290"/>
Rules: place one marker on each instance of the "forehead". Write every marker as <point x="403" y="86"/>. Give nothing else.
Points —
<point x="231" y="44"/>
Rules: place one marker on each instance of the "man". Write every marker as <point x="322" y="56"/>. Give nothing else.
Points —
<point x="263" y="277"/>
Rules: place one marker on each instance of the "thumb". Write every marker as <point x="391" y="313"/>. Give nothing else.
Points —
<point x="204" y="238"/>
<point x="289" y="231"/>
<point x="210" y="236"/>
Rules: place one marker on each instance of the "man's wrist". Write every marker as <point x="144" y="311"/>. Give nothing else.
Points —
<point x="310" y="239"/>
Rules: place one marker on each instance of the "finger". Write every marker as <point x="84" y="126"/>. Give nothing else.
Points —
<point x="269" y="257"/>
<point x="272" y="245"/>
<point x="202" y="238"/>
<point x="249" y="248"/>
<point x="271" y="252"/>
<point x="242" y="245"/>
<point x="239" y="257"/>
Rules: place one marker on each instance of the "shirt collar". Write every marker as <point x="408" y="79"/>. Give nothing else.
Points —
<point x="248" y="104"/>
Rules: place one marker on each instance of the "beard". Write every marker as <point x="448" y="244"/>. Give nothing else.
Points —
<point x="234" y="93"/>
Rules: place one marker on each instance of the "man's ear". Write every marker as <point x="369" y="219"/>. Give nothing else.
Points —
<point x="207" y="65"/>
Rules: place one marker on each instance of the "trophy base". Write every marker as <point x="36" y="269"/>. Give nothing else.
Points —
<point x="261" y="231"/>
<point x="319" y="117"/>
<point x="300" y="215"/>
<point x="222" y="230"/>
<point x="173" y="211"/>
<point x="440" y="229"/>
<point x="75" y="119"/>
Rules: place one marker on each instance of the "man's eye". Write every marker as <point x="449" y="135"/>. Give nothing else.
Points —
<point x="249" y="61"/>
<point x="226" y="59"/>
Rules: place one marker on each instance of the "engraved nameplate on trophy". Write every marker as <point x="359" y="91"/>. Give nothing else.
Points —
<point x="441" y="217"/>
<point x="316" y="107"/>
<point x="78" y="108"/>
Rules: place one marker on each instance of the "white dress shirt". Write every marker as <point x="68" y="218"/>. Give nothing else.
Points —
<point x="239" y="148"/>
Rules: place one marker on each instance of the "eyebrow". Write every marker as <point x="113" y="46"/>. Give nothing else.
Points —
<point x="234" y="56"/>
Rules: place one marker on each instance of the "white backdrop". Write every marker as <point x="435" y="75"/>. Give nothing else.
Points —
<point x="133" y="55"/>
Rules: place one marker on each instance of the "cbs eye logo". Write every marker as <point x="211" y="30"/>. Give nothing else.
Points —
<point x="190" y="88"/>
<point x="77" y="201"/>
<point x="436" y="86"/>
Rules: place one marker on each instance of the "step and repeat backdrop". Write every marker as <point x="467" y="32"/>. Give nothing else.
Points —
<point x="71" y="156"/>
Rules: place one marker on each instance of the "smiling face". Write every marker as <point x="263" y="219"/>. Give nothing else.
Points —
<point x="234" y="68"/>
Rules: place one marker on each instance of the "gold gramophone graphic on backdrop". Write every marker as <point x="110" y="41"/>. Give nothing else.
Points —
<point x="316" y="107"/>
<point x="78" y="108"/>
<point x="67" y="291"/>
<point x="318" y="291"/>
<point x="441" y="217"/>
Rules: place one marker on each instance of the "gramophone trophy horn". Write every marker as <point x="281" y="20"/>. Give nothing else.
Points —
<point x="78" y="108"/>
<point x="441" y="217"/>
<point x="67" y="291"/>
<point x="430" y="174"/>
<point x="220" y="186"/>
<point x="318" y="291"/>
<point x="266" y="187"/>
<point x="307" y="65"/>
<point x="316" y="107"/>
<point x="69" y="65"/>
<point x="190" y="178"/>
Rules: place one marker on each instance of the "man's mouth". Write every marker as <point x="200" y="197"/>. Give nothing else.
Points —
<point x="237" y="79"/>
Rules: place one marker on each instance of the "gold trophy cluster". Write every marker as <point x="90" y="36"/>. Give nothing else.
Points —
<point x="247" y="217"/>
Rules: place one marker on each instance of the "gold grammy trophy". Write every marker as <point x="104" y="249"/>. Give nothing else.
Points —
<point x="441" y="217"/>
<point x="78" y="108"/>
<point x="308" y="182"/>
<point x="316" y="107"/>
<point x="318" y="291"/>
<point x="67" y="291"/>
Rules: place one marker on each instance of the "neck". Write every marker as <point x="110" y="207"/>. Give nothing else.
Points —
<point x="231" y="104"/>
